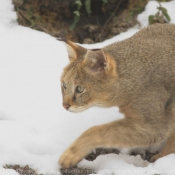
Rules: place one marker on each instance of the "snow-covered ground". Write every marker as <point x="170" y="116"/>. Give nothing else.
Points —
<point x="34" y="127"/>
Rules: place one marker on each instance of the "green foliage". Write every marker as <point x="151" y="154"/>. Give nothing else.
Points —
<point x="129" y="16"/>
<point x="151" y="19"/>
<point x="77" y="14"/>
<point x="30" y="12"/>
<point x="38" y="18"/>
<point x="76" y="19"/>
<point x="161" y="16"/>
<point x="79" y="4"/>
<point x="88" y="6"/>
<point x="133" y="8"/>
<point x="105" y="1"/>
<point x="164" y="12"/>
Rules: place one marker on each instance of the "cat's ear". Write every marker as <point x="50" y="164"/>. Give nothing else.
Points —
<point x="100" y="62"/>
<point x="74" y="50"/>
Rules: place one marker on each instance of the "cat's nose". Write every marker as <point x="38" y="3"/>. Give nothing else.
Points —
<point x="66" y="106"/>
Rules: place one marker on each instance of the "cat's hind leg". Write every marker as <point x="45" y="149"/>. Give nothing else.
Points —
<point x="168" y="148"/>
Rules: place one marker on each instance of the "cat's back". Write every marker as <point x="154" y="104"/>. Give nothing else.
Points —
<point x="154" y="39"/>
<point x="150" y="54"/>
<point x="154" y="46"/>
<point x="156" y="30"/>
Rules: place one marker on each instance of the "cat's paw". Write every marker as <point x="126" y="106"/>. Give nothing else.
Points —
<point x="155" y="157"/>
<point x="80" y="148"/>
<point x="70" y="157"/>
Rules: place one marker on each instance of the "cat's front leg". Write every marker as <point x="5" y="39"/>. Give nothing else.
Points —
<point x="80" y="148"/>
<point x="125" y="133"/>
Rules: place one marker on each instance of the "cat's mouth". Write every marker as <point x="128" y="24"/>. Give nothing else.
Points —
<point x="83" y="108"/>
<point x="77" y="109"/>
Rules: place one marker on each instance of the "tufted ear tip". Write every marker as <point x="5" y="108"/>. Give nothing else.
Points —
<point x="60" y="39"/>
<point x="74" y="50"/>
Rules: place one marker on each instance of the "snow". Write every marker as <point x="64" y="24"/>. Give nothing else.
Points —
<point x="34" y="127"/>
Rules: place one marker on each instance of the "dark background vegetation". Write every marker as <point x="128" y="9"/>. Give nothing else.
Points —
<point x="106" y="18"/>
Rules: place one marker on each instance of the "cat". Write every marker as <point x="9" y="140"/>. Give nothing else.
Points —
<point x="138" y="76"/>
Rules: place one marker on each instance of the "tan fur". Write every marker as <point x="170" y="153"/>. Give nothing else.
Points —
<point x="138" y="76"/>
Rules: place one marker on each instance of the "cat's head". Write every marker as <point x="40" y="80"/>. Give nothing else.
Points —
<point x="88" y="79"/>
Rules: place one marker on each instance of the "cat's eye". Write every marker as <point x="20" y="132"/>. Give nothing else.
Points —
<point x="79" y="89"/>
<point x="64" y="85"/>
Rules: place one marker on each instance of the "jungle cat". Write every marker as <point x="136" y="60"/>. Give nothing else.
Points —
<point x="138" y="76"/>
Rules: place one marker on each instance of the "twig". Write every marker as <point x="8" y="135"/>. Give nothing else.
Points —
<point x="25" y="16"/>
<point x="109" y="19"/>
<point x="28" y="18"/>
